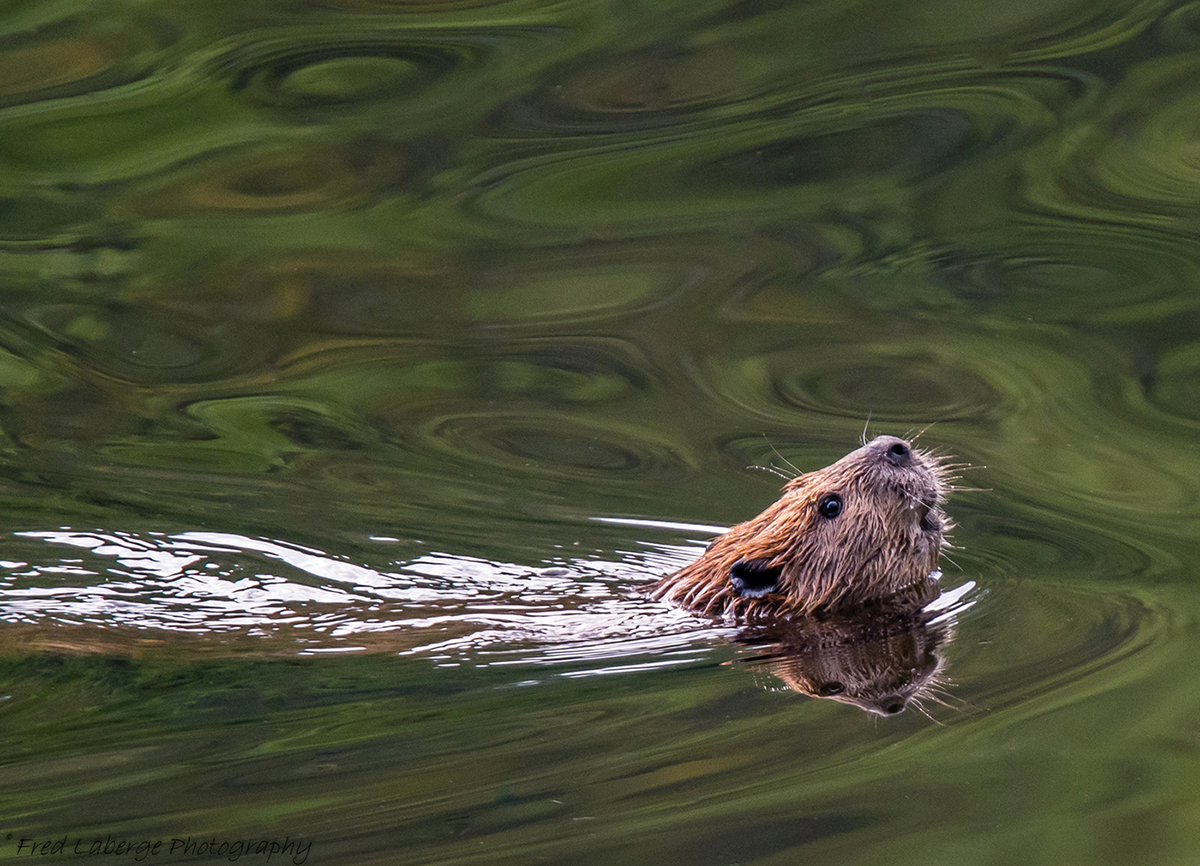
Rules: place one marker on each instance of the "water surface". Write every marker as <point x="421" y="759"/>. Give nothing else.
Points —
<point x="359" y="360"/>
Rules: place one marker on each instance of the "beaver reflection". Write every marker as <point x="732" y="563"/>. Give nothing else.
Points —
<point x="880" y="657"/>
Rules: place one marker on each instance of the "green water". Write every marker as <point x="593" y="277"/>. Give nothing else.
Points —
<point x="359" y="358"/>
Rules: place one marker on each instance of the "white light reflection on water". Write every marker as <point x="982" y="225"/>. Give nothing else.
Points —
<point x="663" y="524"/>
<point x="577" y="613"/>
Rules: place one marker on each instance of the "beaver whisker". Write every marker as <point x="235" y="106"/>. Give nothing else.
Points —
<point x="936" y="689"/>
<point x="916" y="702"/>
<point x="920" y="432"/>
<point x="787" y="462"/>
<point x="774" y="471"/>
<point x="953" y="702"/>
<point x="949" y="559"/>
<point x="936" y="692"/>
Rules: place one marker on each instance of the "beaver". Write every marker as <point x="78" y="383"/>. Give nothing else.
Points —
<point x="859" y="530"/>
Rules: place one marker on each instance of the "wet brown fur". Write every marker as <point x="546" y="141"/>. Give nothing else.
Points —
<point x="888" y="536"/>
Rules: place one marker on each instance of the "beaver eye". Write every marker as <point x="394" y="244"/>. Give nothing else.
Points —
<point x="830" y="505"/>
<point x="826" y="690"/>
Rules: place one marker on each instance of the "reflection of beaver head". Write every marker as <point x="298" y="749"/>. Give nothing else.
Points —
<point x="882" y="676"/>
<point x="863" y="528"/>
<point x="880" y="658"/>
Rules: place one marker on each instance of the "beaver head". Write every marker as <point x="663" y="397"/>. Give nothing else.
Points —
<point x="858" y="530"/>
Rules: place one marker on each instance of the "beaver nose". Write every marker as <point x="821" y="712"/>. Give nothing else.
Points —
<point x="898" y="453"/>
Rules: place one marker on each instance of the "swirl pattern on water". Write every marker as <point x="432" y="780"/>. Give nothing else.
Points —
<point x="1034" y="540"/>
<point x="353" y="72"/>
<point x="653" y="87"/>
<point x="551" y="445"/>
<point x="1177" y="386"/>
<point x="1141" y="163"/>
<point x="816" y="153"/>
<point x="1104" y="274"/>
<point x="80" y="55"/>
<point x="906" y="387"/>
<point x="285" y="178"/>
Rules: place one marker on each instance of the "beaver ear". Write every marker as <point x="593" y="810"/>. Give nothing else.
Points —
<point x="753" y="578"/>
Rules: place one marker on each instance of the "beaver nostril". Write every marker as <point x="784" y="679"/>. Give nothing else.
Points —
<point x="754" y="578"/>
<point x="895" y="706"/>
<point x="898" y="453"/>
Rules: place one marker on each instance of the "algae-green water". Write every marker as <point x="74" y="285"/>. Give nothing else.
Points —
<point x="360" y="359"/>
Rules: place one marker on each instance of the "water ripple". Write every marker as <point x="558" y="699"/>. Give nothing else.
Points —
<point x="812" y="153"/>
<point x="1137" y="156"/>
<point x="344" y="73"/>
<point x="549" y="443"/>
<point x="1096" y="273"/>
<point x="1177" y="389"/>
<point x="76" y="56"/>
<point x="280" y="177"/>
<point x="1045" y="638"/>
<point x="654" y="86"/>
<point x="422" y="69"/>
